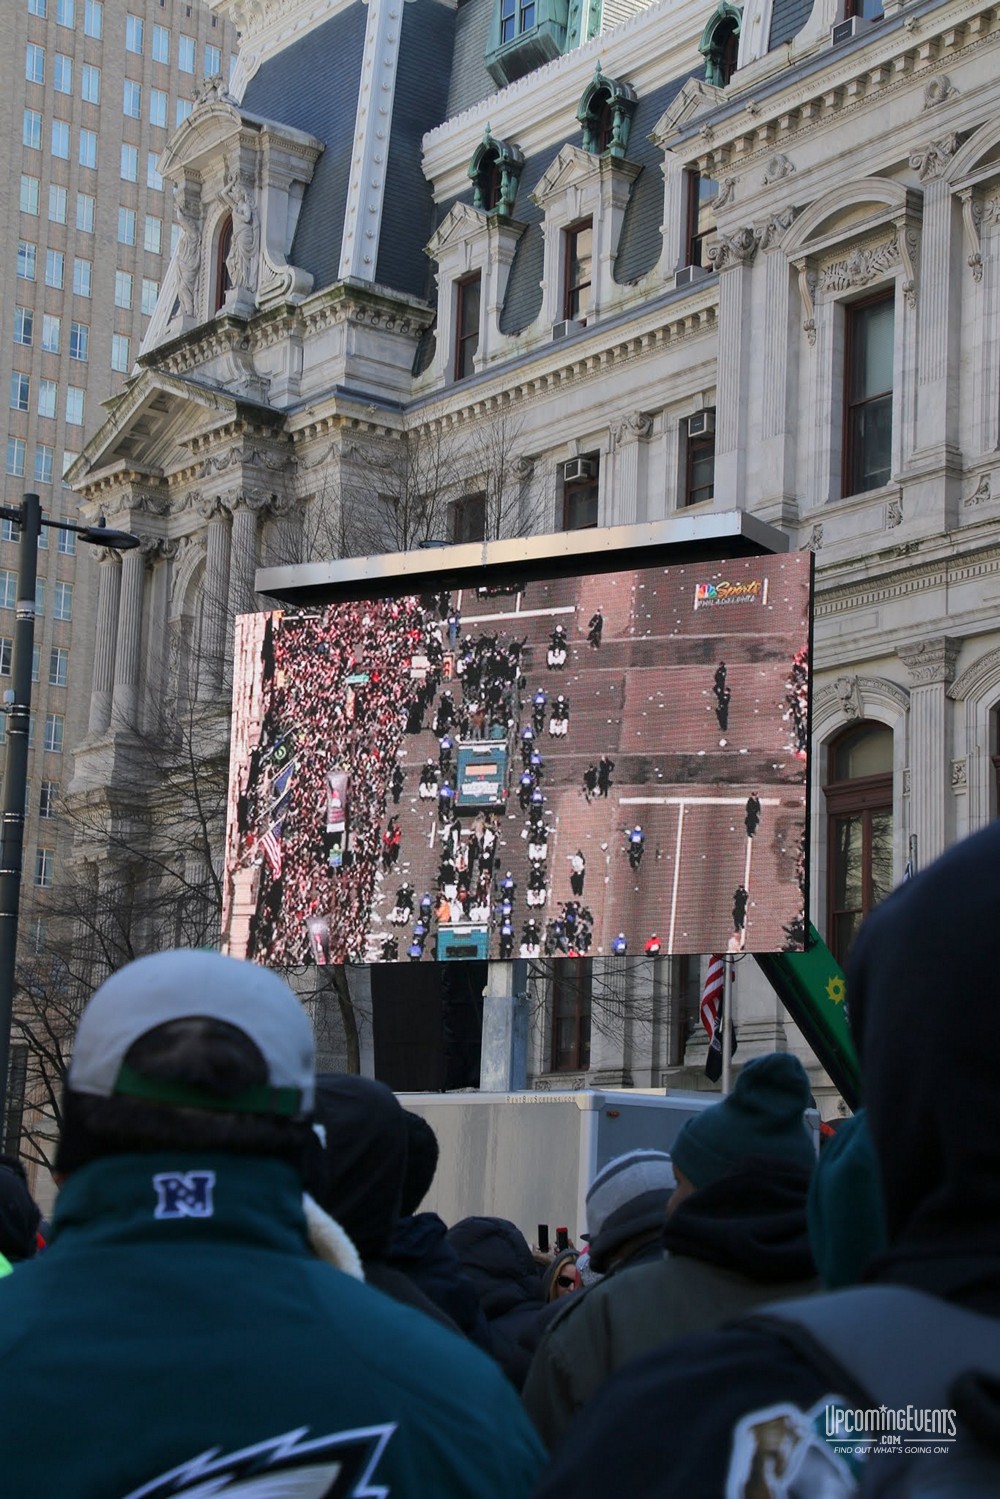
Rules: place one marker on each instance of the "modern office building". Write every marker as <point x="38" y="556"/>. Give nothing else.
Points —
<point x="655" y="258"/>
<point x="91" y="91"/>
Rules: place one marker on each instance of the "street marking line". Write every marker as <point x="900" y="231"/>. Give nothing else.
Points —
<point x="485" y="619"/>
<point x="694" y="801"/>
<point x="677" y="877"/>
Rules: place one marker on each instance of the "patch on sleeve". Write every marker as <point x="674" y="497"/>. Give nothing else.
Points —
<point x="780" y="1452"/>
<point x="338" y="1466"/>
<point x="184" y="1194"/>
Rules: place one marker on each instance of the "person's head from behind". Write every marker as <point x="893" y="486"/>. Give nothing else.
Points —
<point x="627" y="1206"/>
<point x="19" y="1214"/>
<point x="421" y="1162"/>
<point x="189" y="1051"/>
<point x="760" y="1121"/>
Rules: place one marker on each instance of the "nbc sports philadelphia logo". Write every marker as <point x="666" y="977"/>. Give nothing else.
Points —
<point x="907" y="1429"/>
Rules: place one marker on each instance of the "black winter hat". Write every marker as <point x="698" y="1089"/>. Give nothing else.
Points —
<point x="19" y="1213"/>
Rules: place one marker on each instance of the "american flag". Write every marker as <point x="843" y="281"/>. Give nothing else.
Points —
<point x="271" y="849"/>
<point x="711" y="998"/>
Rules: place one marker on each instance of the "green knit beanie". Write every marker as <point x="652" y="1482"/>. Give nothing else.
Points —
<point x="762" y="1116"/>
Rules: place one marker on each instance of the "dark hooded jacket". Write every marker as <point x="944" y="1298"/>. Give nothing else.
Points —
<point x="495" y="1256"/>
<point x="357" y="1177"/>
<point x="690" y="1421"/>
<point x="420" y="1250"/>
<point x="732" y="1245"/>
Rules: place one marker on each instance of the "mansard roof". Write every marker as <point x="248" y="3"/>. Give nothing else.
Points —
<point x="314" y="85"/>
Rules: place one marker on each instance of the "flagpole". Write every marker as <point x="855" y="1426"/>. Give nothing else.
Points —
<point x="727" y="1023"/>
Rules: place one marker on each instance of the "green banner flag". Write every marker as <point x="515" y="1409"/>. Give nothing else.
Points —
<point x="812" y="987"/>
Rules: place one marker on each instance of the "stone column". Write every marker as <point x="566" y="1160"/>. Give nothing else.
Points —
<point x="732" y="255"/>
<point x="931" y="665"/>
<point x="776" y="481"/>
<point x="125" y="693"/>
<point x="242" y="557"/>
<point x="109" y="589"/>
<point x="628" y="502"/>
<point x="214" y="598"/>
<point x="938" y="319"/>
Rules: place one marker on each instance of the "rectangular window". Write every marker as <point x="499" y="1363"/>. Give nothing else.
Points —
<point x="43" y="466"/>
<point x="175" y="237"/>
<point x="34" y="63"/>
<point x="153" y="178"/>
<point x="131" y="99"/>
<point x="157" y="107"/>
<point x="43" y="539"/>
<point x="47" y="799"/>
<point x="185" y="53"/>
<point x="55" y="268"/>
<point x="60" y="139"/>
<point x="8" y="589"/>
<point x="54" y="732"/>
<point x="79" y="341"/>
<point x="150" y="292"/>
<point x="152" y="234"/>
<point x="6" y="656"/>
<point x="67" y="539"/>
<point x="699" y="464"/>
<point x="578" y="243"/>
<point x="26" y="260"/>
<point x="66" y="13"/>
<point x="468" y="519"/>
<point x="9" y="530"/>
<point x="36" y="655"/>
<point x="181" y="111"/>
<point x="37" y="8"/>
<point x="50" y="333"/>
<point x="82" y="277"/>
<point x="90" y="86"/>
<point x="868" y="360"/>
<point x="581" y="489"/>
<point x="31" y="130"/>
<point x="572" y="984"/>
<point x="702" y="193"/>
<point x="126" y="226"/>
<point x="62" y="74"/>
<point x="40" y="597"/>
<point x="47" y="390"/>
<point x="213" y="62"/>
<point x="57" y="204"/>
<point x="119" y="353"/>
<point x="93" y="18"/>
<point x="133" y="33"/>
<point x="24" y="326"/>
<point x="85" y="206"/>
<point x="161" y="44"/>
<point x="74" y="405"/>
<point x="15" y="457"/>
<point x="129" y="170"/>
<point x="20" y="391"/>
<point x="123" y="289"/>
<point x="68" y="460"/>
<point x="467" y="300"/>
<point x="44" y="865"/>
<point x="29" y="194"/>
<point x="88" y="148"/>
<point x="62" y="601"/>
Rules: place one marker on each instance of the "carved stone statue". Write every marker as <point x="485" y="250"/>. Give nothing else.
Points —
<point x="241" y="262"/>
<point x="188" y="256"/>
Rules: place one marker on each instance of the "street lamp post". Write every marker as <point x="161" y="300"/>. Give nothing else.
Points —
<point x="17" y="706"/>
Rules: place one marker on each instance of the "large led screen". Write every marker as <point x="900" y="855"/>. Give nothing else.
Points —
<point x="571" y="766"/>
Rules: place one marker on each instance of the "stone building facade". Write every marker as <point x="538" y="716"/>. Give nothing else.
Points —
<point x="690" y="257"/>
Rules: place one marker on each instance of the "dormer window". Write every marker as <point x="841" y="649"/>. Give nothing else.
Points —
<point x="720" y="44"/>
<point x="495" y="170"/>
<point x="605" y="113"/>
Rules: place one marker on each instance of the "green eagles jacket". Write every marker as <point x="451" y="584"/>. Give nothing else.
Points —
<point x="179" y="1337"/>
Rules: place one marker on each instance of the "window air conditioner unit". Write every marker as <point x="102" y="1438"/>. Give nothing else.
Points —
<point x="565" y="328"/>
<point x="689" y="274"/>
<point x="844" y="31"/>
<point x="701" y="424"/>
<point x="577" y="469"/>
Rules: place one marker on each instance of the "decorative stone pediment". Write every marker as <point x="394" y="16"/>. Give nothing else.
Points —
<point x="462" y="225"/>
<point x="695" y="98"/>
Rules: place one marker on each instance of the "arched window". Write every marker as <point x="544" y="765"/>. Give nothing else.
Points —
<point x="858" y="796"/>
<point x="720" y="44"/>
<point x="605" y="113"/>
<point x="224" y="245"/>
<point x="495" y="170"/>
